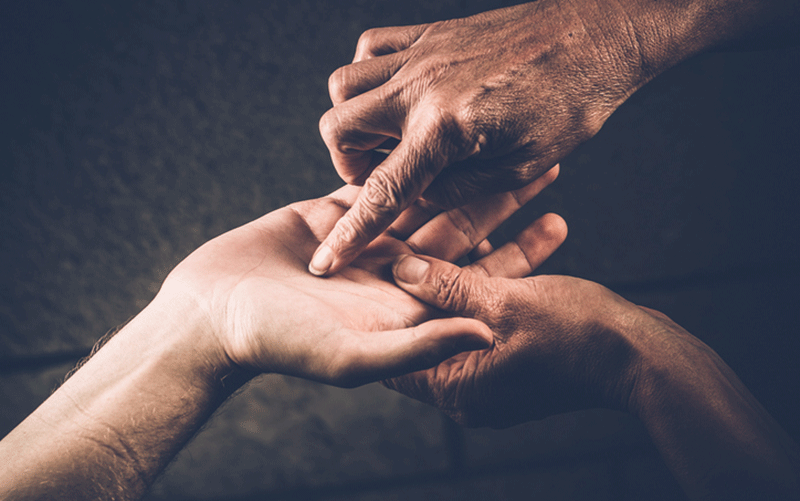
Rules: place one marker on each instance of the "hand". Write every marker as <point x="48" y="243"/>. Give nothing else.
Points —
<point x="486" y="103"/>
<point x="270" y="315"/>
<point x="563" y="344"/>
<point x="243" y="304"/>
<point x="555" y="350"/>
<point x="489" y="102"/>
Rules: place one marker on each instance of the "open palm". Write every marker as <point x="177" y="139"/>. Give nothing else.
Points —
<point x="269" y="314"/>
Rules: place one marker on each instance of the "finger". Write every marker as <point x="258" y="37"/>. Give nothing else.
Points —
<point x="353" y="130"/>
<point x="454" y="233"/>
<point x="423" y="211"/>
<point x="526" y="252"/>
<point x="345" y="195"/>
<point x="372" y="356"/>
<point x="390" y="188"/>
<point x="413" y="218"/>
<point x="380" y="41"/>
<point x="446" y="286"/>
<point x="482" y="250"/>
<point x="467" y="178"/>
<point x="357" y="78"/>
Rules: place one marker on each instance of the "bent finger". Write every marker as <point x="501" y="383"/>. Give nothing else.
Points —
<point x="353" y="130"/>
<point x="354" y="79"/>
<point x="380" y="41"/>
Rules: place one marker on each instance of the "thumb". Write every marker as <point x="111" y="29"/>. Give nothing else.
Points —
<point x="443" y="285"/>
<point x="382" y="355"/>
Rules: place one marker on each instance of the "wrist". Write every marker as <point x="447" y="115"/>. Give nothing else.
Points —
<point x="172" y="337"/>
<point x="703" y="420"/>
<point x="175" y="332"/>
<point x="640" y="40"/>
<point x="113" y="425"/>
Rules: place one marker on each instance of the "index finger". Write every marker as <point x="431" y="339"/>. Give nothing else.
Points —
<point x="390" y="188"/>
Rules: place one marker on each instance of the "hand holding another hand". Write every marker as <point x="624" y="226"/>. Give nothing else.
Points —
<point x="564" y="344"/>
<point x="556" y="349"/>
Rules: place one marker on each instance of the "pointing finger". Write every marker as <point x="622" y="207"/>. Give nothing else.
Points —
<point x="390" y="188"/>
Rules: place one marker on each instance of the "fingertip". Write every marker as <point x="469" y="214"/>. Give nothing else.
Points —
<point x="554" y="171"/>
<point x="322" y="261"/>
<point x="554" y="226"/>
<point x="541" y="238"/>
<point x="550" y="175"/>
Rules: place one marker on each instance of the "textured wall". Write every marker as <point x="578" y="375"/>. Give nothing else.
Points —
<point x="131" y="134"/>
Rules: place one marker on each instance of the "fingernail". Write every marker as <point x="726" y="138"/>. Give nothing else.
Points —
<point x="410" y="269"/>
<point x="322" y="261"/>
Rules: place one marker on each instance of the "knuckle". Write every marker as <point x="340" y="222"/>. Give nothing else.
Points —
<point x="338" y="84"/>
<point x="329" y="125"/>
<point x="451" y="127"/>
<point x="383" y="196"/>
<point x="451" y="291"/>
<point x="351" y="232"/>
<point x="368" y="40"/>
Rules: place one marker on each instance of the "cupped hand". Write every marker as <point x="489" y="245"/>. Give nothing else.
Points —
<point x="556" y="348"/>
<point x="270" y="315"/>
<point x="475" y="105"/>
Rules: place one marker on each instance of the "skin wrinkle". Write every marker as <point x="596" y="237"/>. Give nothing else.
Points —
<point x="465" y="224"/>
<point x="636" y="42"/>
<point x="448" y="290"/>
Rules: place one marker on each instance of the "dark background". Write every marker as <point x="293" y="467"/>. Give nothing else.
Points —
<point x="134" y="132"/>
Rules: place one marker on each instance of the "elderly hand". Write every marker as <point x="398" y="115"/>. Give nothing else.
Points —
<point x="563" y="343"/>
<point x="486" y="103"/>
<point x="489" y="102"/>
<point x="556" y="347"/>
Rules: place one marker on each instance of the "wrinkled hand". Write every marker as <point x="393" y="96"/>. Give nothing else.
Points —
<point x="480" y="104"/>
<point x="555" y="350"/>
<point x="270" y="315"/>
<point x="563" y="344"/>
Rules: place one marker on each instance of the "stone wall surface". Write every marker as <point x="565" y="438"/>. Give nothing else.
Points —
<point x="135" y="131"/>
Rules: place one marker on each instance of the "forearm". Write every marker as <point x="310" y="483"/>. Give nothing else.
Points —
<point x="116" y="423"/>
<point x="719" y="442"/>
<point x="650" y="36"/>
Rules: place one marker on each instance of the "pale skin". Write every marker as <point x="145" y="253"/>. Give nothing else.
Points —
<point x="244" y="304"/>
<point x="489" y="102"/>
